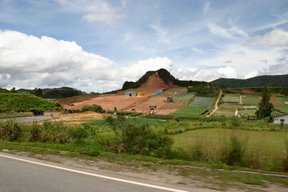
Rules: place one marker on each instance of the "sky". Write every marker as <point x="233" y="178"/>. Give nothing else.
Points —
<point x="96" y="45"/>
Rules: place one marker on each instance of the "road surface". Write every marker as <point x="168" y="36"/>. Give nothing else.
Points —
<point x="22" y="175"/>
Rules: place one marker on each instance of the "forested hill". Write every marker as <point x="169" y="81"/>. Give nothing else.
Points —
<point x="259" y="81"/>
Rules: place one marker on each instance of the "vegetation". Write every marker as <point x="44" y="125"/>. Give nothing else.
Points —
<point x="25" y="102"/>
<point x="260" y="81"/>
<point x="54" y="93"/>
<point x="95" y="108"/>
<point x="265" y="107"/>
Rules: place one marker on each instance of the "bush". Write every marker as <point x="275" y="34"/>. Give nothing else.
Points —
<point x="78" y="134"/>
<point x="95" y="108"/>
<point x="10" y="131"/>
<point x="35" y="133"/>
<point x="234" y="152"/>
<point x="138" y="139"/>
<point x="55" y="133"/>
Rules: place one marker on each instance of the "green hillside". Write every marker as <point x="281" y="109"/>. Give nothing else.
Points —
<point x="54" y="93"/>
<point x="276" y="81"/>
<point x="24" y="102"/>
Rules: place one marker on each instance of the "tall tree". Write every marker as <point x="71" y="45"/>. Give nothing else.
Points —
<point x="265" y="106"/>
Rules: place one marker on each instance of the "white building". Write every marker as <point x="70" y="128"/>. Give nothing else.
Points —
<point x="281" y="119"/>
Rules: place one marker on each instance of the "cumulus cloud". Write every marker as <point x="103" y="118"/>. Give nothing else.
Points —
<point x="205" y="73"/>
<point x="135" y="71"/>
<point x="277" y="37"/>
<point x="28" y="61"/>
<point x="92" y="10"/>
<point x="279" y="67"/>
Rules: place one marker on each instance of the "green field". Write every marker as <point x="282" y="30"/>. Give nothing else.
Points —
<point x="251" y="100"/>
<point x="19" y="102"/>
<point x="282" y="107"/>
<point x="183" y="97"/>
<point x="265" y="147"/>
<point x="230" y="98"/>
<point x="227" y="110"/>
<point x="196" y="107"/>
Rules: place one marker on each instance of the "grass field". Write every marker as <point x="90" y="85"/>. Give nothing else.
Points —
<point x="265" y="147"/>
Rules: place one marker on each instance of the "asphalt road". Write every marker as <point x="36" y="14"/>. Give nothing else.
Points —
<point x="17" y="175"/>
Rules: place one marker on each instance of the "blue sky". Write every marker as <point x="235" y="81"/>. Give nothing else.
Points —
<point x="95" y="45"/>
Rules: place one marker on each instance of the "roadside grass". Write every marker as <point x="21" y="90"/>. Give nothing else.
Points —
<point x="214" y="173"/>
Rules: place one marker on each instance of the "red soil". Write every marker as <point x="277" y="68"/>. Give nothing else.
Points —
<point x="139" y="103"/>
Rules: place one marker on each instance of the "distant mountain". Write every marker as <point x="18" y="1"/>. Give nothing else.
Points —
<point x="259" y="81"/>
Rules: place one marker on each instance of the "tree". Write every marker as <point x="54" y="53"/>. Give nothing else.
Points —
<point x="265" y="107"/>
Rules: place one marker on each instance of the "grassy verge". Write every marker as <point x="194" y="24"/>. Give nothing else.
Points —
<point x="226" y="175"/>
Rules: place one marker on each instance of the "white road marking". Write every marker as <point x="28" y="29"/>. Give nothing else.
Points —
<point x="94" y="175"/>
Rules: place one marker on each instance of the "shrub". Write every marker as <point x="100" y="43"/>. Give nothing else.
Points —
<point x="95" y="108"/>
<point x="55" y="133"/>
<point x="78" y="134"/>
<point x="35" y="133"/>
<point x="138" y="138"/>
<point x="10" y="131"/>
<point x="234" y="152"/>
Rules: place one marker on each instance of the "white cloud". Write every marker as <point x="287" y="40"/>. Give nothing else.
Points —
<point x="92" y="10"/>
<point x="205" y="73"/>
<point x="277" y="37"/>
<point x="231" y="32"/>
<point x="135" y="71"/>
<point x="28" y="61"/>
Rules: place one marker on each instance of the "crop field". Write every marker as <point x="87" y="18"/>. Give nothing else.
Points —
<point x="230" y="98"/>
<point x="281" y="105"/>
<point x="184" y="97"/>
<point x="196" y="107"/>
<point x="251" y="100"/>
<point x="227" y="109"/>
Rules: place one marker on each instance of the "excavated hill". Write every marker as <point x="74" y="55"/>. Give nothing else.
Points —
<point x="152" y="80"/>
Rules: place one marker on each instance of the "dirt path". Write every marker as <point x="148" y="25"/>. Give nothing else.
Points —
<point x="216" y="104"/>
<point x="240" y="100"/>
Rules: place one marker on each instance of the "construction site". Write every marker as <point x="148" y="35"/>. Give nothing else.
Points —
<point x="152" y="97"/>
